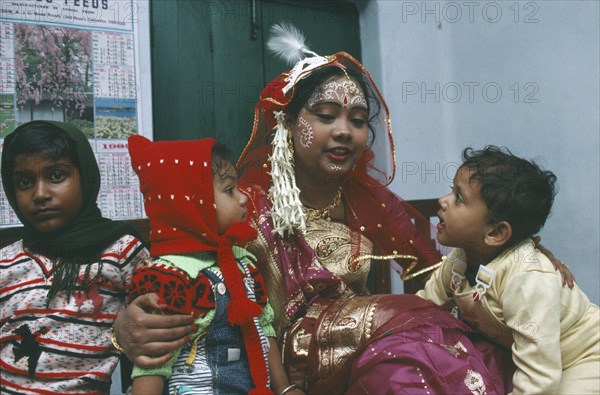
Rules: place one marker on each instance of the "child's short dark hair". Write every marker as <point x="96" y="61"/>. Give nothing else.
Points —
<point x="43" y="138"/>
<point x="220" y="154"/>
<point x="514" y="189"/>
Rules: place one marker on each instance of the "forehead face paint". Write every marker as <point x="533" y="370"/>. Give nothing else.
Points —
<point x="306" y="132"/>
<point x="341" y="90"/>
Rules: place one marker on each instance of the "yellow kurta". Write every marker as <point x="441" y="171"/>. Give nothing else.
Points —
<point x="553" y="331"/>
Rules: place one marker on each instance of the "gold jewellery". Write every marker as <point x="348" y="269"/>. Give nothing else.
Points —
<point x="115" y="342"/>
<point x="325" y="212"/>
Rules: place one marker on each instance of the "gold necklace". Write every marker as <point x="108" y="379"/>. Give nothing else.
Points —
<point x="324" y="212"/>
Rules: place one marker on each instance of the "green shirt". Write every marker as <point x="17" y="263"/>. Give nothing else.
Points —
<point x="193" y="264"/>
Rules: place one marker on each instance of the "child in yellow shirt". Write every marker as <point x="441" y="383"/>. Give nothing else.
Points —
<point x="503" y="286"/>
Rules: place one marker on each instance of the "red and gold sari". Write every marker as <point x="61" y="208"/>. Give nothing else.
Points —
<point x="334" y="336"/>
<point x="337" y="338"/>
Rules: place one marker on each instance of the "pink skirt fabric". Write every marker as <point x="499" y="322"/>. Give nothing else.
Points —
<point x="422" y="350"/>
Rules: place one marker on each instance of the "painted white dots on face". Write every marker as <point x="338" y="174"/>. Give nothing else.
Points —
<point x="331" y="130"/>
<point x="306" y="132"/>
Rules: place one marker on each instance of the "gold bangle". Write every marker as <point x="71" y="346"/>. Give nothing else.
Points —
<point x="288" y="389"/>
<point x="114" y="341"/>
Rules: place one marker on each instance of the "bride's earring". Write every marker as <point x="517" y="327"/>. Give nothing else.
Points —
<point x="291" y="146"/>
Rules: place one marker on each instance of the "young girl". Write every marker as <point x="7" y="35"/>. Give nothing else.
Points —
<point x="63" y="284"/>
<point x="197" y="218"/>
<point x="503" y="286"/>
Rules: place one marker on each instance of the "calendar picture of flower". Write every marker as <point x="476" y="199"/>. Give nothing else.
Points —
<point x="54" y="75"/>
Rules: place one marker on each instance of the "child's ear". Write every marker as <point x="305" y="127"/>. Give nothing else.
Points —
<point x="498" y="234"/>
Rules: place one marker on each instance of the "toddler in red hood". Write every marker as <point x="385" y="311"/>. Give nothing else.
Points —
<point x="198" y="232"/>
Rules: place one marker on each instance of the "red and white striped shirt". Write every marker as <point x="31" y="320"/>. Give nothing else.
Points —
<point x="66" y="348"/>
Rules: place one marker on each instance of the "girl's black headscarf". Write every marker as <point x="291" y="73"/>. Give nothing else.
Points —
<point x="80" y="242"/>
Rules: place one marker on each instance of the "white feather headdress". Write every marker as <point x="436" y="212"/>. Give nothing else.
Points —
<point x="289" y="44"/>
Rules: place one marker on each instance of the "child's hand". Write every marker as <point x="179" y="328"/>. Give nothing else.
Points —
<point x="559" y="265"/>
<point x="148" y="339"/>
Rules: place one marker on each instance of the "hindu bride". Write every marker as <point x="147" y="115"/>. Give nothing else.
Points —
<point x="316" y="169"/>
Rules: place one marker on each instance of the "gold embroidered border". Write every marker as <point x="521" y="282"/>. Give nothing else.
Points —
<point x="406" y="276"/>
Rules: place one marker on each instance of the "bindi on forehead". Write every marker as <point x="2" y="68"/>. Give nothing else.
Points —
<point x="341" y="90"/>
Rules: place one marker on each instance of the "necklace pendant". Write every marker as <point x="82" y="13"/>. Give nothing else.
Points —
<point x="324" y="213"/>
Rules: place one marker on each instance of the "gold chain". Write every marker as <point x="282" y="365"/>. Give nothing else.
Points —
<point x="325" y="212"/>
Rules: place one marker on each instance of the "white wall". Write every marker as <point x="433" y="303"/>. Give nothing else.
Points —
<point x="544" y="59"/>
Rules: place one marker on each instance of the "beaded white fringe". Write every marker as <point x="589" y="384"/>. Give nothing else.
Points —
<point x="287" y="211"/>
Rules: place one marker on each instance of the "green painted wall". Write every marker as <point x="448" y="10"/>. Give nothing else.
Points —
<point x="207" y="71"/>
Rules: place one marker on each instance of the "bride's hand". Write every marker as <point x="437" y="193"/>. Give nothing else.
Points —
<point x="559" y="265"/>
<point x="148" y="339"/>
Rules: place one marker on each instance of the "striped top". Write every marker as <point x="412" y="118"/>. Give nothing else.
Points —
<point x="66" y="348"/>
<point x="200" y="376"/>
